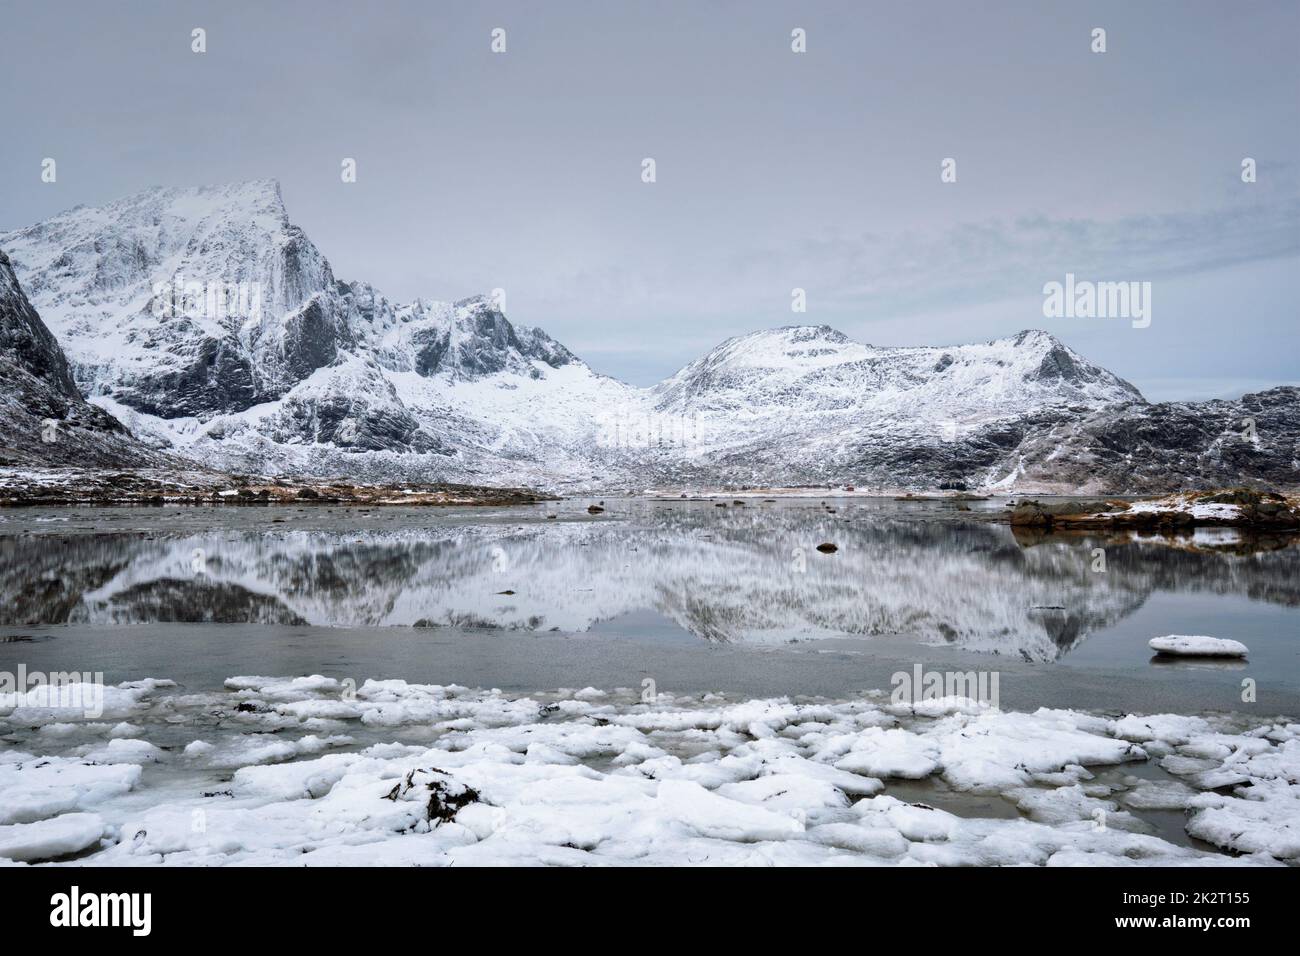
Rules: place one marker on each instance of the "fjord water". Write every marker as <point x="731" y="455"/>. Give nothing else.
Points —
<point x="688" y="594"/>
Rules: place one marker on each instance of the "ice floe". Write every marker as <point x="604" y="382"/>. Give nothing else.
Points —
<point x="316" y="771"/>
<point x="1197" y="645"/>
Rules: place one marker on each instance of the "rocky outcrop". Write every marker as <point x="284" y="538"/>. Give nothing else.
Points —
<point x="145" y="486"/>
<point x="1142" y="448"/>
<point x="1045" y="514"/>
<point x="1236" y="508"/>
<point x="43" y="418"/>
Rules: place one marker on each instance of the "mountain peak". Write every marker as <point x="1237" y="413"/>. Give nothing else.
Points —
<point x="799" y="334"/>
<point x="475" y="303"/>
<point x="1033" y="337"/>
<point x="251" y="197"/>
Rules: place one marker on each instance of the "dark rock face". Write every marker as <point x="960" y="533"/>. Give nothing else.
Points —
<point x="218" y="378"/>
<point x="536" y="344"/>
<point x="43" y="418"/>
<point x="1059" y="365"/>
<point x="25" y="343"/>
<point x="491" y="338"/>
<point x="481" y="341"/>
<point x="338" y="421"/>
<point x="309" y="340"/>
<point x="1172" y="445"/>
<point x="430" y="349"/>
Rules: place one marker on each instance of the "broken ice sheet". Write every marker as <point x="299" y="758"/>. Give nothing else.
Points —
<point x="444" y="774"/>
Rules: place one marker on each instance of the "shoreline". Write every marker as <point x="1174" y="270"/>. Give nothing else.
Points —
<point x="118" y="487"/>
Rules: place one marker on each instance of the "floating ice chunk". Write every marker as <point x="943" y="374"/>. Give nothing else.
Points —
<point x="286" y="687"/>
<point x="915" y="821"/>
<point x="253" y="749"/>
<point x="890" y="753"/>
<point x="544" y="753"/>
<point x="33" y="788"/>
<point x="47" y="839"/>
<point x="1265" y="818"/>
<point x="1167" y="728"/>
<point x="1158" y="795"/>
<point x="294" y="781"/>
<point x="321" y="709"/>
<point x="997" y="751"/>
<point x="849" y="781"/>
<point x="785" y="792"/>
<point x="941" y="706"/>
<point x="881" y="841"/>
<point x="1196" y="645"/>
<point x="51" y="703"/>
<point x="125" y="750"/>
<point x="715" y="816"/>
<point x="1279" y="763"/>
<point x="1181" y="765"/>
<point x="1061" y="805"/>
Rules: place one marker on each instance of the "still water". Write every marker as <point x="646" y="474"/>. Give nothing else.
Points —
<point x="734" y="597"/>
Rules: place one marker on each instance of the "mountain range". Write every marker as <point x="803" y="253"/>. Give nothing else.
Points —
<point x="201" y="325"/>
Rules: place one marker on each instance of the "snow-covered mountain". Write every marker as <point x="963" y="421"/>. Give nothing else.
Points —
<point x="807" y="403"/>
<point x="210" y="325"/>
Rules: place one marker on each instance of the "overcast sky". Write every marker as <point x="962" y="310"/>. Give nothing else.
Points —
<point x="775" y="170"/>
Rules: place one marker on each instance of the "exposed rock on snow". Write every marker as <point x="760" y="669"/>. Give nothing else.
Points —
<point x="445" y="775"/>
<point x="58" y="486"/>
<point x="1237" y="507"/>
<point x="1191" y="645"/>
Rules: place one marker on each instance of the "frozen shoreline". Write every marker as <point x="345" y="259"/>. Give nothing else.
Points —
<point x="312" y="771"/>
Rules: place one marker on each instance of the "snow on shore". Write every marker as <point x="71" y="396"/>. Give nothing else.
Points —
<point x="309" y="771"/>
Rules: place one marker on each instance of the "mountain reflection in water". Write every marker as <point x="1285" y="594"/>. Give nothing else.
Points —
<point x="744" y="575"/>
